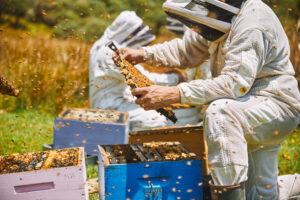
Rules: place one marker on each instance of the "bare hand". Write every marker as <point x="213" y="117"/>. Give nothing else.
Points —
<point x="134" y="56"/>
<point x="155" y="97"/>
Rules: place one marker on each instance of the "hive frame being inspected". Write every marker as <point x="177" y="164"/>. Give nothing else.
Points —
<point x="135" y="79"/>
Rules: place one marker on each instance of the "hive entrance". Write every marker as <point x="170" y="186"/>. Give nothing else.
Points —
<point x="40" y="160"/>
<point x="147" y="152"/>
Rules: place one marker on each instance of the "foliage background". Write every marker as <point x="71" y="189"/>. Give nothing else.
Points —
<point x="88" y="18"/>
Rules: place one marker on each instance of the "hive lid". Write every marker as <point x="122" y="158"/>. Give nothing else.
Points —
<point x="93" y="115"/>
<point x="16" y="163"/>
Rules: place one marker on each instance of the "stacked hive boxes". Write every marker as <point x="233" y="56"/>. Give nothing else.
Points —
<point x="89" y="128"/>
<point x="153" y="171"/>
<point x="48" y="175"/>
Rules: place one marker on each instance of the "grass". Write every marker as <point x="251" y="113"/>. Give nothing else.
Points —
<point x="25" y="131"/>
<point x="92" y="172"/>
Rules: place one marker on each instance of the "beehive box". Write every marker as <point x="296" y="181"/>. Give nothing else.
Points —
<point x="89" y="128"/>
<point x="192" y="137"/>
<point x="48" y="175"/>
<point x="151" y="171"/>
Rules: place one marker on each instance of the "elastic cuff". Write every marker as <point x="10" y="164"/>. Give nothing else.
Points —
<point x="147" y="54"/>
<point x="183" y="91"/>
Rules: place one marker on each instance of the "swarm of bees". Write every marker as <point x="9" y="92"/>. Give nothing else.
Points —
<point x="7" y="88"/>
<point x="39" y="161"/>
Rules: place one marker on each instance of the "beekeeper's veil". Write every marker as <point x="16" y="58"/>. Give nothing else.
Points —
<point x="210" y="18"/>
<point x="175" y="25"/>
<point x="128" y="30"/>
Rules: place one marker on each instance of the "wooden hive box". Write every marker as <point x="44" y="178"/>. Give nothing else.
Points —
<point x="191" y="137"/>
<point x="48" y="175"/>
<point x="89" y="128"/>
<point x="149" y="171"/>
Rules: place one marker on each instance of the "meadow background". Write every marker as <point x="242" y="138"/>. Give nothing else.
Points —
<point x="44" y="48"/>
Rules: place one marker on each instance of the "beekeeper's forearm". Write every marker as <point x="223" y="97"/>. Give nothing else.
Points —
<point x="190" y="51"/>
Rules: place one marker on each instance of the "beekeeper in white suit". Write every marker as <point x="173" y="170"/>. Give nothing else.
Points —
<point x="254" y="101"/>
<point x="108" y="89"/>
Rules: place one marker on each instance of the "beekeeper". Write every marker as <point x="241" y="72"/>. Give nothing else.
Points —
<point x="253" y="96"/>
<point x="108" y="89"/>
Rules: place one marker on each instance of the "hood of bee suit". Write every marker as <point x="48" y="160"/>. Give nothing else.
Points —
<point x="210" y="18"/>
<point x="128" y="30"/>
<point x="175" y="26"/>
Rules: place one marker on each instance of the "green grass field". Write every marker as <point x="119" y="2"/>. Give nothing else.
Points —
<point x="27" y="131"/>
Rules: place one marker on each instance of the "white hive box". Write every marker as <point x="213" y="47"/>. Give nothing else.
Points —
<point x="48" y="175"/>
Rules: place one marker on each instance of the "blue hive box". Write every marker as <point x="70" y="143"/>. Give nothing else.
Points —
<point x="89" y="128"/>
<point x="151" y="171"/>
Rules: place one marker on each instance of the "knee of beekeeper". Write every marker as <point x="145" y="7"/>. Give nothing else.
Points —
<point x="218" y="109"/>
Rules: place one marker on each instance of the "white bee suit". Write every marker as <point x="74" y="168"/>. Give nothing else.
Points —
<point x="108" y="89"/>
<point x="254" y="97"/>
<point x="289" y="187"/>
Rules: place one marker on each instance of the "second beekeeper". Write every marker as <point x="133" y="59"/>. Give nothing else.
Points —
<point x="108" y="89"/>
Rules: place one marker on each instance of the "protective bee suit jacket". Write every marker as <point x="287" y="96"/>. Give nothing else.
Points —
<point x="254" y="97"/>
<point x="254" y="49"/>
<point x="108" y="89"/>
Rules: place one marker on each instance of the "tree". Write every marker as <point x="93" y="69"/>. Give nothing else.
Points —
<point x="18" y="9"/>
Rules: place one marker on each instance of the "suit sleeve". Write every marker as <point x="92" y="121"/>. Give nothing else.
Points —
<point x="190" y="51"/>
<point x="244" y="60"/>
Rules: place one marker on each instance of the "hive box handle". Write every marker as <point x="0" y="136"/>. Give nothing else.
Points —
<point x="34" y="187"/>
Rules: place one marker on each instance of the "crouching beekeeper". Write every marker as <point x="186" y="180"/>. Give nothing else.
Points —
<point x="253" y="98"/>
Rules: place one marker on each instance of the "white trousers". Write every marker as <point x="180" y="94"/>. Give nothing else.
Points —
<point x="185" y="116"/>
<point x="142" y="119"/>
<point x="243" y="138"/>
<point x="289" y="187"/>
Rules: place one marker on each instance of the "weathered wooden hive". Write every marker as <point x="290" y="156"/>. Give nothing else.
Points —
<point x="48" y="175"/>
<point x="162" y="170"/>
<point x="89" y="128"/>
